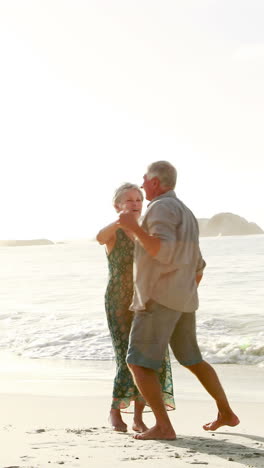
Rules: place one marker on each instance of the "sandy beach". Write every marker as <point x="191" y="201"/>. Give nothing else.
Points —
<point x="55" y="413"/>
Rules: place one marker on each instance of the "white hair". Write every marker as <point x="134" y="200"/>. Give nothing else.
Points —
<point x="164" y="171"/>
<point x="119" y="192"/>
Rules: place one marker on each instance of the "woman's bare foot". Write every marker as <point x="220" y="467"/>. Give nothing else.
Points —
<point x="157" y="433"/>
<point x="139" y="426"/>
<point x="229" y="419"/>
<point x="116" y="421"/>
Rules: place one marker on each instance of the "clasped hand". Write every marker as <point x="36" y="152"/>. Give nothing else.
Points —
<point x="127" y="220"/>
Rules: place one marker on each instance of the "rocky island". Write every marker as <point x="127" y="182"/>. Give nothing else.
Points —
<point x="221" y="224"/>
<point x="227" y="224"/>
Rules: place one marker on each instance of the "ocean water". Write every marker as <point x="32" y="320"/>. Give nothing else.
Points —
<point x="52" y="301"/>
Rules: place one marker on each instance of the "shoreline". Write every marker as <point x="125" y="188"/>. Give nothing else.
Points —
<point x="77" y="378"/>
<point x="55" y="412"/>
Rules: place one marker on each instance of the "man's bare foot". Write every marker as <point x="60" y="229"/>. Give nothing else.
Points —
<point x="139" y="426"/>
<point x="222" y="420"/>
<point x="116" y="421"/>
<point x="157" y="433"/>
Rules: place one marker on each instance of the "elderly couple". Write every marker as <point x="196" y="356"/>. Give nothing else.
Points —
<point x="154" y="270"/>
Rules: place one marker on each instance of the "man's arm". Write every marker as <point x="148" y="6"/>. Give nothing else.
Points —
<point x="150" y="243"/>
<point x="200" y="268"/>
<point x="198" y="278"/>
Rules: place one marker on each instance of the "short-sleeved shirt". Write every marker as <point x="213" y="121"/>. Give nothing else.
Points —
<point x="169" y="278"/>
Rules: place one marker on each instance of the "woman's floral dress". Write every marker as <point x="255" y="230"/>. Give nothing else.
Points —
<point x="118" y="298"/>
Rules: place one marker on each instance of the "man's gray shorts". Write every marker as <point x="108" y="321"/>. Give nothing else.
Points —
<point x="156" y="327"/>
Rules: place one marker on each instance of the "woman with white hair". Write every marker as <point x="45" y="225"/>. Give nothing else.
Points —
<point x="119" y="245"/>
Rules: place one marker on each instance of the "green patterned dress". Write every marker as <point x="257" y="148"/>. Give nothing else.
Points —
<point x="118" y="298"/>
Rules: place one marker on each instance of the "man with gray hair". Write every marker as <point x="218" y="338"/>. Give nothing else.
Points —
<point x="168" y="269"/>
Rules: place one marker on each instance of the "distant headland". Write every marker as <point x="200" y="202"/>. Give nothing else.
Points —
<point x="227" y="224"/>
<point x="221" y="224"/>
<point x="15" y="243"/>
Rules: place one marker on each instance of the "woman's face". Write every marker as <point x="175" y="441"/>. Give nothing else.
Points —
<point x="131" y="201"/>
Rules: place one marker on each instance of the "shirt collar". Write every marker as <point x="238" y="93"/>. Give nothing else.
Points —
<point x="169" y="194"/>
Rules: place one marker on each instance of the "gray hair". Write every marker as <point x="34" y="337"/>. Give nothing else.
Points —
<point x="164" y="171"/>
<point x="119" y="192"/>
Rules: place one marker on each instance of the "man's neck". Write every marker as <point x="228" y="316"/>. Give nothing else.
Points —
<point x="161" y="191"/>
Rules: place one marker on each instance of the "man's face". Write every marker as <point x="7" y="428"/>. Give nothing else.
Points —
<point x="149" y="186"/>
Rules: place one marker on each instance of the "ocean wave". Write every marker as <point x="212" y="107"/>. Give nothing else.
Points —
<point x="52" y="302"/>
<point x="91" y="341"/>
<point x="226" y="350"/>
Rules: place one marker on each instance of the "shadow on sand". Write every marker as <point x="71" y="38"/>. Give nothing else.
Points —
<point x="222" y="448"/>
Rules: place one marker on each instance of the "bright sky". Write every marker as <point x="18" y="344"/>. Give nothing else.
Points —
<point x="92" y="91"/>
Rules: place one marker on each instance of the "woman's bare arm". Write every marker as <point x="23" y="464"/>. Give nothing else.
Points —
<point x="107" y="233"/>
